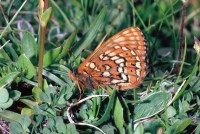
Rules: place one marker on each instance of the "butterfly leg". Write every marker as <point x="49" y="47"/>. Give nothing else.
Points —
<point x="80" y="91"/>
<point x="105" y="90"/>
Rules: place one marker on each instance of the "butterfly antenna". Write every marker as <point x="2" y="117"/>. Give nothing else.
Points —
<point x="71" y="59"/>
<point x="68" y="53"/>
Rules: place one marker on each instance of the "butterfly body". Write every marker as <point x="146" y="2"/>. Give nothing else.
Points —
<point x="120" y="61"/>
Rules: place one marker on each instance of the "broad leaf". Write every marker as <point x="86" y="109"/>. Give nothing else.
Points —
<point x="25" y="64"/>
<point x="151" y="105"/>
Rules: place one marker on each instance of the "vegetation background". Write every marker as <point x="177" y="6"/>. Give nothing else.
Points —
<point x="44" y="101"/>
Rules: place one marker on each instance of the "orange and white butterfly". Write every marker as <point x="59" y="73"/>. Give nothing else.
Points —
<point x="120" y="61"/>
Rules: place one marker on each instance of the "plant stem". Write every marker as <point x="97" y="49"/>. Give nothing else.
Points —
<point x="42" y="41"/>
<point x="41" y="53"/>
<point x="181" y="38"/>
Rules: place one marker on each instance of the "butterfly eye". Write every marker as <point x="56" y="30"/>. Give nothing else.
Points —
<point x="75" y="72"/>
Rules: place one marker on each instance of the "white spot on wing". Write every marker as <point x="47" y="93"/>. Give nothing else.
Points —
<point x="107" y="67"/>
<point x="106" y="74"/>
<point x="138" y="72"/>
<point x="112" y="54"/>
<point x="131" y="38"/>
<point x="137" y="58"/>
<point x="114" y="81"/>
<point x="125" y="32"/>
<point x="92" y="65"/>
<point x="138" y="37"/>
<point x="119" y="61"/>
<point x="106" y="58"/>
<point x="120" y="69"/>
<point x="133" y="53"/>
<point x="87" y="64"/>
<point x="107" y="52"/>
<point x="101" y="56"/>
<point x="133" y="29"/>
<point x="119" y="39"/>
<point x="138" y="65"/>
<point x="124" y="77"/>
<point x="115" y="58"/>
<point x="121" y="64"/>
<point x="135" y="33"/>
<point x="124" y="48"/>
<point x="96" y="69"/>
<point x="117" y="47"/>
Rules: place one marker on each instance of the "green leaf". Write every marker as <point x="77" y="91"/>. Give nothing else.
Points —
<point x="51" y="111"/>
<point x="139" y="129"/>
<point x="171" y="112"/>
<point x="29" y="47"/>
<point x="8" y="78"/>
<point x="66" y="45"/>
<point x="15" y="94"/>
<point x="71" y="129"/>
<point x="25" y="121"/>
<point x="4" y="95"/>
<point x="60" y="126"/>
<point x="6" y="104"/>
<point x="27" y="111"/>
<point x="119" y="115"/>
<point x="50" y="123"/>
<point x="36" y="91"/>
<point x="151" y="105"/>
<point x="46" y="16"/>
<point x="106" y="115"/>
<point x="12" y="51"/>
<point x="25" y="64"/>
<point x="4" y="55"/>
<point x="153" y="125"/>
<point x="46" y="131"/>
<point x="53" y="77"/>
<point x="44" y="98"/>
<point x="83" y="114"/>
<point x="197" y="129"/>
<point x="108" y="129"/>
<point x="182" y="124"/>
<point x="39" y="119"/>
<point x="87" y="39"/>
<point x="15" y="128"/>
<point x="10" y="116"/>
<point x="64" y="94"/>
<point x="51" y="55"/>
<point x="44" y="106"/>
<point x="28" y="102"/>
<point x="195" y="83"/>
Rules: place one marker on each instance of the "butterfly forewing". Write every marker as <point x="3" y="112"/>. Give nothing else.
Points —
<point x="120" y="61"/>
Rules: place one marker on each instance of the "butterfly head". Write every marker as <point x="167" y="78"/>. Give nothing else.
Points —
<point x="73" y="74"/>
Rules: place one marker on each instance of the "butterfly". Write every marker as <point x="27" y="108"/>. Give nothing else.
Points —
<point x="119" y="62"/>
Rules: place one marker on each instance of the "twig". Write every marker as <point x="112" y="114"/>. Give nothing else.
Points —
<point x="179" y="89"/>
<point x="181" y="37"/>
<point x="4" y="44"/>
<point x="90" y="125"/>
<point x="42" y="43"/>
<point x="4" y="128"/>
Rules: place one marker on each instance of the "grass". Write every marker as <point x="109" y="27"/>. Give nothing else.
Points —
<point x="37" y="96"/>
